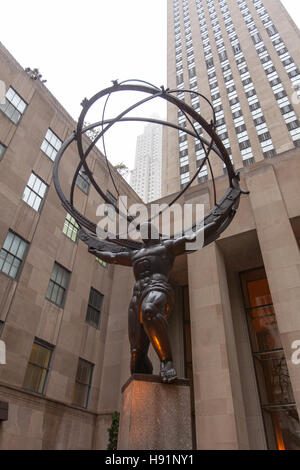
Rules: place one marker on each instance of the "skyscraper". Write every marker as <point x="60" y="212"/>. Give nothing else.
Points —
<point x="243" y="56"/>
<point x="145" y="179"/>
<point x="243" y="290"/>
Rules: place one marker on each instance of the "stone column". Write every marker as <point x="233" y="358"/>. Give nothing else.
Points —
<point x="220" y="418"/>
<point x="281" y="257"/>
<point x="155" y="416"/>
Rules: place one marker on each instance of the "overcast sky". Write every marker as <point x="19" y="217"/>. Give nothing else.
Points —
<point x="79" y="47"/>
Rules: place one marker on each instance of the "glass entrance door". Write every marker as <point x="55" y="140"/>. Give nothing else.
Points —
<point x="279" y="410"/>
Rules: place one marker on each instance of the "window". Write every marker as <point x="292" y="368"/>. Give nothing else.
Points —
<point x="256" y="38"/>
<point x="83" y="181"/>
<point x="51" y="144"/>
<point x="244" y="145"/>
<point x="71" y="228"/>
<point x="271" y="30"/>
<point x="34" y="192"/>
<point x="94" y="308"/>
<point x="83" y="383"/>
<point x="276" y="395"/>
<point x="264" y="136"/>
<point x="2" y="150"/>
<point x="58" y="285"/>
<point x="14" y="106"/>
<point x="38" y="366"/>
<point x="12" y="254"/>
<point x="269" y="153"/>
<point x="1" y="326"/>
<point x="248" y="161"/>
<point x="111" y="211"/>
<point x="100" y="261"/>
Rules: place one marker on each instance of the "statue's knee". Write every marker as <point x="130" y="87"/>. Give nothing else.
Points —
<point x="148" y="312"/>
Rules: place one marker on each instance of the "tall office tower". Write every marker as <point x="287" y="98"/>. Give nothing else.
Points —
<point x="244" y="56"/>
<point x="145" y="179"/>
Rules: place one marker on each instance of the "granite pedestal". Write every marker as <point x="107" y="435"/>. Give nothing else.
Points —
<point x="155" y="416"/>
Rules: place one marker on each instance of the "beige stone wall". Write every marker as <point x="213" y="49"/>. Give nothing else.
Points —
<point x="24" y="309"/>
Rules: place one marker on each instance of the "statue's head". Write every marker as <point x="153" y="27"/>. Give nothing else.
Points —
<point x="149" y="234"/>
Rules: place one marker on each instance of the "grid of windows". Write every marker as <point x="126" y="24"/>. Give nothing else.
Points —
<point x="247" y="83"/>
<point x="212" y="77"/>
<point x="14" y="106"/>
<point x="2" y="150"/>
<point x="70" y="228"/>
<point x="12" y="254"/>
<point x="38" y="367"/>
<point x="94" y="308"/>
<point x="272" y="75"/>
<point x="58" y="285"/>
<point x="34" y="192"/>
<point x="83" y="383"/>
<point x="51" y="144"/>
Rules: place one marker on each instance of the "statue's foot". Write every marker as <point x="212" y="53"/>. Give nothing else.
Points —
<point x="167" y="371"/>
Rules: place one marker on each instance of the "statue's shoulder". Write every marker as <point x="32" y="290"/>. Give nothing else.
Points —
<point x="168" y="244"/>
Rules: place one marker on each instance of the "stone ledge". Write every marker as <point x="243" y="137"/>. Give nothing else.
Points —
<point x="153" y="379"/>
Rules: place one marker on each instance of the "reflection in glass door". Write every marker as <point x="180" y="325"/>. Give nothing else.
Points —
<point x="279" y="410"/>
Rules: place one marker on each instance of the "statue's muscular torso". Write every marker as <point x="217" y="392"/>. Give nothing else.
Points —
<point x="153" y="260"/>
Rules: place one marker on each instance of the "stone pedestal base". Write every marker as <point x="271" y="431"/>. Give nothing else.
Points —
<point x="155" y="416"/>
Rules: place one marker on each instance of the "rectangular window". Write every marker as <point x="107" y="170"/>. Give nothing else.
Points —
<point x="83" y="383"/>
<point x="38" y="367"/>
<point x="2" y="150"/>
<point x="58" y="285"/>
<point x="94" y="308"/>
<point x="12" y="254"/>
<point x="111" y="212"/>
<point x="34" y="192"/>
<point x="70" y="228"/>
<point x="51" y="144"/>
<point x="83" y="181"/>
<point x="276" y="395"/>
<point x="100" y="261"/>
<point x="14" y="106"/>
<point x="1" y="326"/>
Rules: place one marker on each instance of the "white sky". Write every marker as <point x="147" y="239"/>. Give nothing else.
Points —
<point x="80" y="46"/>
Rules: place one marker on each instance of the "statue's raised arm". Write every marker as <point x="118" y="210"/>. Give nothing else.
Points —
<point x="105" y="250"/>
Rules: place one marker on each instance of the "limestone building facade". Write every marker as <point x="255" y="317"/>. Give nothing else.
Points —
<point x="236" y="325"/>
<point x="57" y="301"/>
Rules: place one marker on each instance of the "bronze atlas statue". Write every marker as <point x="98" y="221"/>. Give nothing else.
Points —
<point x="153" y="256"/>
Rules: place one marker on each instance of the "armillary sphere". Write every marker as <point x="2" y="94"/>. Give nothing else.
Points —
<point x="215" y="221"/>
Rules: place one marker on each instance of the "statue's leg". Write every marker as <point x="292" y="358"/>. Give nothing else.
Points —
<point x="139" y="342"/>
<point x="155" y="324"/>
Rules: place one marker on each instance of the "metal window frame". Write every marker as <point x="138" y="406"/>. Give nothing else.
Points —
<point x="15" y="257"/>
<point x="94" y="308"/>
<point x="71" y="225"/>
<point x="80" y="359"/>
<point x="36" y="194"/>
<point x="50" y="347"/>
<point x="65" y="289"/>
<point x="49" y="143"/>
<point x="11" y="104"/>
